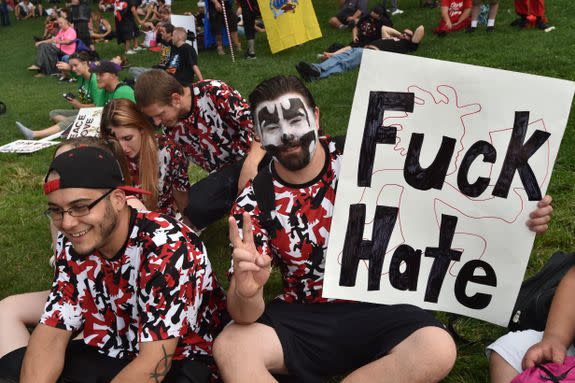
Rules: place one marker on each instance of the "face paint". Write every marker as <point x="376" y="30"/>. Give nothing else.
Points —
<point x="287" y="128"/>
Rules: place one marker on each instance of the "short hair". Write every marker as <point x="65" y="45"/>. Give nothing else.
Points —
<point x="180" y="31"/>
<point x="275" y="87"/>
<point x="82" y="56"/>
<point x="169" y="27"/>
<point x="156" y="87"/>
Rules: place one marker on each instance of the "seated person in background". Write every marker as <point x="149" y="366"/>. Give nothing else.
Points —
<point x="50" y="51"/>
<point x="100" y="28"/>
<point x="24" y="10"/>
<point x="164" y="38"/>
<point x="155" y="162"/>
<point x="184" y="60"/>
<point x="20" y="312"/>
<point x="89" y="95"/>
<point x="149" y="35"/>
<point x="106" y="5"/>
<point x="454" y="16"/>
<point x="349" y="14"/>
<point x="138" y="284"/>
<point x="516" y="351"/>
<point x="368" y="28"/>
<point x="107" y="78"/>
<point x="348" y="58"/>
<point x="212" y="124"/>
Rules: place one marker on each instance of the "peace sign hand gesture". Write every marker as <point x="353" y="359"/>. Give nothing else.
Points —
<point x="251" y="269"/>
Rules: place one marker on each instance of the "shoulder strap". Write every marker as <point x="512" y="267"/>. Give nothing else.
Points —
<point x="265" y="197"/>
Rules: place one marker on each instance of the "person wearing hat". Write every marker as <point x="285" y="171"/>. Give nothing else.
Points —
<point x="107" y="77"/>
<point x="138" y="285"/>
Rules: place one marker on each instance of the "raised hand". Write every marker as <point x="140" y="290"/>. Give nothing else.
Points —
<point x="251" y="269"/>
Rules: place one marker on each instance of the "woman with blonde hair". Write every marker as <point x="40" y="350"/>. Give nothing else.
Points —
<point x="155" y="162"/>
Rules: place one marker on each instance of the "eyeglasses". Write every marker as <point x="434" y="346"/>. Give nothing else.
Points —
<point x="75" y="211"/>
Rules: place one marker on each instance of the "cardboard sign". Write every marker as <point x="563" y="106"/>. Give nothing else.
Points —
<point x="188" y="23"/>
<point x="87" y="123"/>
<point x="443" y="164"/>
<point x="26" y="146"/>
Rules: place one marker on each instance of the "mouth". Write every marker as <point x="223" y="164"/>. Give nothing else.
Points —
<point x="79" y="234"/>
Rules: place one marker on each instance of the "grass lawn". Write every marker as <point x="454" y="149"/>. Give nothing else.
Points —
<point x="24" y="237"/>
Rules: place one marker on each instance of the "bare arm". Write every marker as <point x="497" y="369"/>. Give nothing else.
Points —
<point x="354" y="33"/>
<point x="464" y="16"/>
<point x="389" y="32"/>
<point x="250" y="166"/>
<point x="560" y="328"/>
<point x="44" y="358"/>
<point x="198" y="73"/>
<point x="445" y="16"/>
<point x="152" y="363"/>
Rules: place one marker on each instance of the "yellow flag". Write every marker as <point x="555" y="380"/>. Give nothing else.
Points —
<point x="289" y="22"/>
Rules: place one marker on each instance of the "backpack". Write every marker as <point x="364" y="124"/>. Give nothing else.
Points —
<point x="536" y="293"/>
<point x="264" y="191"/>
<point x="549" y="373"/>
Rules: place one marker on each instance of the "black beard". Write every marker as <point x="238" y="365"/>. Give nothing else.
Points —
<point x="293" y="162"/>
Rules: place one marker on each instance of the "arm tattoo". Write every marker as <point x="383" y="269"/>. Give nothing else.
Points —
<point x="163" y="367"/>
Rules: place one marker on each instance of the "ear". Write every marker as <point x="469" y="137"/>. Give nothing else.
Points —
<point x="316" y="115"/>
<point x="176" y="99"/>
<point x="118" y="199"/>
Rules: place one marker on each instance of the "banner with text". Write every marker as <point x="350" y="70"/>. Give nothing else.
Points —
<point x="289" y="22"/>
<point x="87" y="124"/>
<point x="443" y="164"/>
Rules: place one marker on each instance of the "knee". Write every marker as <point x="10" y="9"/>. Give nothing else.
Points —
<point x="225" y="348"/>
<point x="441" y="351"/>
<point x="8" y="309"/>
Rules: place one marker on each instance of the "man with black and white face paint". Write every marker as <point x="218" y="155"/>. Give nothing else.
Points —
<point x="288" y="130"/>
<point x="301" y="333"/>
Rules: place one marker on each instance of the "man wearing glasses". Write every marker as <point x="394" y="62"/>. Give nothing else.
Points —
<point x="138" y="285"/>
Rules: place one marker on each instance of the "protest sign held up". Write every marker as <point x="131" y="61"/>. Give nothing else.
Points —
<point x="440" y="172"/>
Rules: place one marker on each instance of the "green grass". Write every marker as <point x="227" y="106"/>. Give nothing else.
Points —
<point x="24" y="237"/>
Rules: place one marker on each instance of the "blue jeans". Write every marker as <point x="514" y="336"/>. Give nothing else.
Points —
<point x="342" y="62"/>
<point x="4" y="14"/>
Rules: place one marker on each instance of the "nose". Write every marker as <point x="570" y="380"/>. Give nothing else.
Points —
<point x="67" y="221"/>
<point x="287" y="138"/>
<point x="157" y="120"/>
<point x="124" y="146"/>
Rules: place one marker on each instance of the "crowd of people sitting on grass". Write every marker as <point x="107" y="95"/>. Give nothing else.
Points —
<point x="135" y="297"/>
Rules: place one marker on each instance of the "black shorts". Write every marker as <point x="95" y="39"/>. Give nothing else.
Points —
<point x="217" y="20"/>
<point x="84" y="364"/>
<point x="126" y="30"/>
<point x="326" y="339"/>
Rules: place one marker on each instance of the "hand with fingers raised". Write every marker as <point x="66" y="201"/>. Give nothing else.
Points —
<point x="251" y="269"/>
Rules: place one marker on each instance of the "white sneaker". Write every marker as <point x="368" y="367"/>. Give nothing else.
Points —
<point x="138" y="48"/>
<point x="397" y="12"/>
<point x="130" y="52"/>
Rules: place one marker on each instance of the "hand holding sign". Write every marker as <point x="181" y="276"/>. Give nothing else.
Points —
<point x="539" y="218"/>
<point x="251" y="269"/>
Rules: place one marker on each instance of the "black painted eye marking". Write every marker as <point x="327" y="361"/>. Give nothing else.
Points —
<point x="265" y="117"/>
<point x="296" y="109"/>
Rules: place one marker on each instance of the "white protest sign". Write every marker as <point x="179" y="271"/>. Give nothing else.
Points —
<point x="188" y="22"/>
<point x="26" y="146"/>
<point x="443" y="163"/>
<point x="87" y="123"/>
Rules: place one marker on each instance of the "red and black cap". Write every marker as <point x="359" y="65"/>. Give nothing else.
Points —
<point x="89" y="168"/>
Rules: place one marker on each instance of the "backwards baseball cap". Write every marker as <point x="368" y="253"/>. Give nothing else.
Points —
<point x="87" y="167"/>
<point x="105" y="67"/>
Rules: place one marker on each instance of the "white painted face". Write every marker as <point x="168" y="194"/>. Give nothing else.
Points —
<point x="288" y="130"/>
